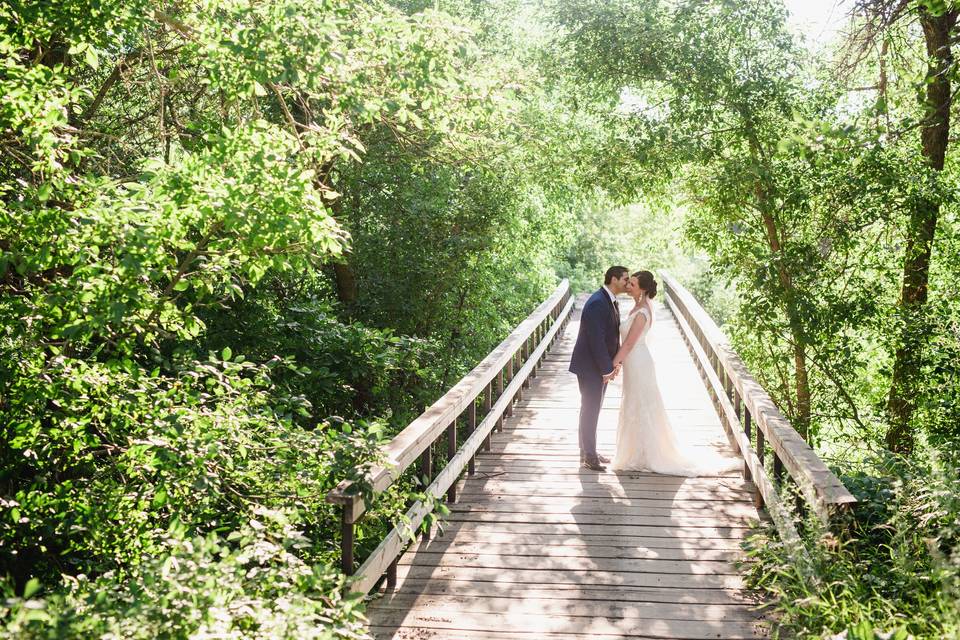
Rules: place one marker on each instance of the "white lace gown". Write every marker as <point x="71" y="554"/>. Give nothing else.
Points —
<point x="645" y="439"/>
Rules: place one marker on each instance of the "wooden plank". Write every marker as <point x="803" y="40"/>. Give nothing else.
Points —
<point x="524" y="621"/>
<point x="585" y="576"/>
<point x="470" y="490"/>
<point x="585" y="519"/>
<point x="398" y="632"/>
<point x="615" y="608"/>
<point x="580" y="592"/>
<point x="586" y="478"/>
<point x="532" y="546"/>
<point x="581" y="529"/>
<point x="559" y="544"/>
<point x="739" y="511"/>
<point x="619" y="566"/>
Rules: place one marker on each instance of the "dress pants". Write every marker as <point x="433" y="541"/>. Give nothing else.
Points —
<point x="592" y="391"/>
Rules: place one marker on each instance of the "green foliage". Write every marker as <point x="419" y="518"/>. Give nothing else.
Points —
<point x="897" y="570"/>
<point x="250" y="583"/>
<point x="345" y="369"/>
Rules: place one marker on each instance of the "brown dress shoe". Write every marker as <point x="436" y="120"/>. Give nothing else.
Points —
<point x="593" y="465"/>
<point x="602" y="459"/>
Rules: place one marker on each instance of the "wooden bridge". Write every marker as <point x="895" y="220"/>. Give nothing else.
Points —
<point x="536" y="547"/>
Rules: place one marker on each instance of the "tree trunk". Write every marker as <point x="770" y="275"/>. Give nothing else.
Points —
<point x="801" y="420"/>
<point x="343" y="274"/>
<point x="346" y="282"/>
<point x="921" y="230"/>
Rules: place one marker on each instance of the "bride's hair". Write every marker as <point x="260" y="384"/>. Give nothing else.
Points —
<point x="647" y="283"/>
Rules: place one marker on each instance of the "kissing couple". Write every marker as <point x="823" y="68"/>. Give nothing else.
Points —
<point x="607" y="346"/>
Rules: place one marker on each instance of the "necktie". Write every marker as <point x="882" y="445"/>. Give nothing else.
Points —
<point x="616" y="308"/>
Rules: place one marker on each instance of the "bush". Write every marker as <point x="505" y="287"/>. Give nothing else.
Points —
<point x="250" y="583"/>
<point x="896" y="570"/>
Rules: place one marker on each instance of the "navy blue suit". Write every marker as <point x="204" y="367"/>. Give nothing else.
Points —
<point x="597" y="343"/>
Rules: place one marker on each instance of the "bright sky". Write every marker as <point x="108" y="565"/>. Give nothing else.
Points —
<point x="818" y="20"/>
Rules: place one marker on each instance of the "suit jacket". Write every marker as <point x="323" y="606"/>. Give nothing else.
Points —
<point x="598" y="339"/>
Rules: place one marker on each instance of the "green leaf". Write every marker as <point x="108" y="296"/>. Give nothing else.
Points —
<point x="91" y="58"/>
<point x="32" y="586"/>
<point x="227" y="353"/>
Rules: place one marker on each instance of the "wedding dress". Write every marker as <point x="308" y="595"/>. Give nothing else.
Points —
<point x="646" y="440"/>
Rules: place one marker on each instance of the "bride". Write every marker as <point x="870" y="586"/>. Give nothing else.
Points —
<point x="645" y="439"/>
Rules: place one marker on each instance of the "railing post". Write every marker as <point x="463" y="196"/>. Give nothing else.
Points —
<point x="346" y="539"/>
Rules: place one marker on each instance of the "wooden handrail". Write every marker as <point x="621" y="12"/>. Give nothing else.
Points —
<point x="734" y="389"/>
<point x="516" y="359"/>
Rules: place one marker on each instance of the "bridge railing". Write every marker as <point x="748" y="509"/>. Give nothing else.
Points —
<point x="752" y="419"/>
<point x="494" y="384"/>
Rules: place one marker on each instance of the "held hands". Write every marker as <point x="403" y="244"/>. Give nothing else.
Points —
<point x="610" y="377"/>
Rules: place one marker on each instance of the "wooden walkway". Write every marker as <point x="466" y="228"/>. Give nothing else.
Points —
<point x="537" y="547"/>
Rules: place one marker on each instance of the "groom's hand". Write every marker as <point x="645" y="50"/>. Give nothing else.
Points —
<point x="612" y="375"/>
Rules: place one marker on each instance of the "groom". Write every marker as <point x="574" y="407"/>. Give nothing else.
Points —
<point x="592" y="359"/>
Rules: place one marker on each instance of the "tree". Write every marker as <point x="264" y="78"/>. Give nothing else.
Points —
<point x="938" y="23"/>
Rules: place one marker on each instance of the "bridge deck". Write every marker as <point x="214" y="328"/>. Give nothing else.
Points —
<point x="538" y="548"/>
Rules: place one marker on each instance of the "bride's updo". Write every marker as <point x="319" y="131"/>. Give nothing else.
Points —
<point x="647" y="283"/>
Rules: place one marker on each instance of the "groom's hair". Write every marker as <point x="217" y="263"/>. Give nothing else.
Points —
<point x="613" y="273"/>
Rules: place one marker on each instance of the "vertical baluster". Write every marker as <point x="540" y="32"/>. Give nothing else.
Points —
<point x="452" y="451"/>
<point x="471" y="427"/>
<point x="346" y="539"/>
<point x="533" y="342"/>
<point x="426" y="474"/>
<point x="499" y="395"/>
<point x="509" y="379"/>
<point x="526" y="356"/>
<point x="761" y="454"/>
<point x="523" y="385"/>
<point x="777" y="469"/>
<point x="486" y="407"/>
<point x="392" y="574"/>
<point x="746" y="429"/>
